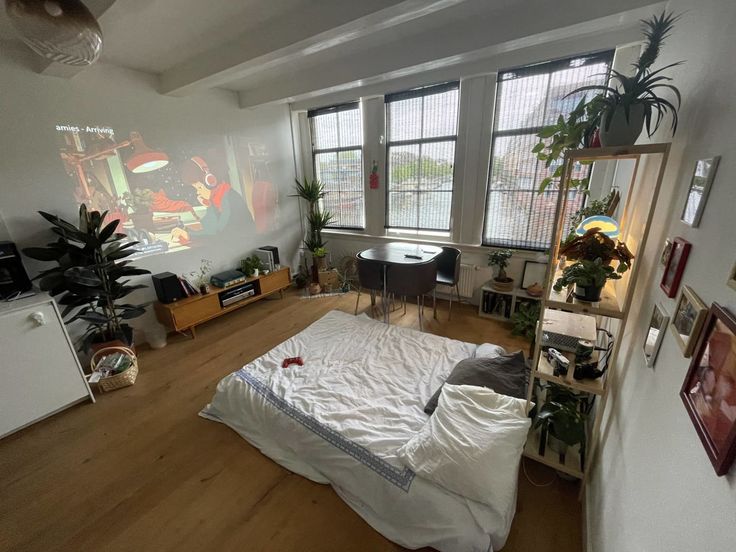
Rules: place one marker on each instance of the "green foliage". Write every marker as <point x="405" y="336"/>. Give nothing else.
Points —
<point x="408" y="168"/>
<point x="90" y="277"/>
<point x="310" y="191"/>
<point x="595" y="245"/>
<point x="201" y="276"/>
<point x="320" y="252"/>
<point x="525" y="320"/>
<point x="500" y="258"/>
<point x="564" y="413"/>
<point x="586" y="274"/>
<point x="592" y="208"/>
<point x="249" y="265"/>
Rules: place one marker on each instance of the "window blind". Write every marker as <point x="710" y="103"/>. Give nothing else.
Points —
<point x="527" y="99"/>
<point x="422" y="131"/>
<point x="337" y="153"/>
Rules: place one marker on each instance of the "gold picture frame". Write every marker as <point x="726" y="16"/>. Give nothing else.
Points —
<point x="687" y="320"/>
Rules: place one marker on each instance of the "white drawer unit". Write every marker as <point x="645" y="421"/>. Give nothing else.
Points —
<point x="40" y="373"/>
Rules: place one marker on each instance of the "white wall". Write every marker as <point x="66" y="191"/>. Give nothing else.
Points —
<point x="653" y="487"/>
<point x="32" y="175"/>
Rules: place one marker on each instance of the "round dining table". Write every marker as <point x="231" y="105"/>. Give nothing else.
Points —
<point x="398" y="253"/>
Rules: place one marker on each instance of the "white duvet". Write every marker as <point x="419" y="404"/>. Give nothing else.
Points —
<point x="342" y="417"/>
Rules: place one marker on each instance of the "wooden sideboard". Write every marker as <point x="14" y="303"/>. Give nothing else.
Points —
<point x="186" y="314"/>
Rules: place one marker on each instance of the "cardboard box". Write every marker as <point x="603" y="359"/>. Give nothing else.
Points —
<point x="329" y="280"/>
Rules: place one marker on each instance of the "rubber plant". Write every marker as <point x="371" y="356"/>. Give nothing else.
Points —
<point x="90" y="279"/>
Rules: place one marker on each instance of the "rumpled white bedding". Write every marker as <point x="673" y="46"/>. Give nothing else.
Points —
<point x="341" y="418"/>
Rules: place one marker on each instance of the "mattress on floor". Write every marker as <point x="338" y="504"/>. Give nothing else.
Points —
<point x="341" y="417"/>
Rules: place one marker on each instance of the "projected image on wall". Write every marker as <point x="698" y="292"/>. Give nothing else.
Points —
<point x="168" y="197"/>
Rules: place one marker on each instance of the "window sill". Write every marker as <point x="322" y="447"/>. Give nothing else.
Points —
<point x="464" y="247"/>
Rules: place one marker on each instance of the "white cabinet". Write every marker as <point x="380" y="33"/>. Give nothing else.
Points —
<point x="40" y="373"/>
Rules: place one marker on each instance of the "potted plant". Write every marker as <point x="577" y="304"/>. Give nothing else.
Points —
<point x="201" y="277"/>
<point x="563" y="418"/>
<point x="524" y="322"/>
<point x="251" y="266"/>
<point x="313" y="191"/>
<point x="589" y="278"/>
<point x="500" y="258"/>
<point x="320" y="258"/>
<point x="596" y="245"/>
<point x="90" y="279"/>
<point x="634" y="101"/>
<point x="139" y="203"/>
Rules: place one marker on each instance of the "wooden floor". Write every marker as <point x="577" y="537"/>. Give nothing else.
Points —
<point x="140" y="471"/>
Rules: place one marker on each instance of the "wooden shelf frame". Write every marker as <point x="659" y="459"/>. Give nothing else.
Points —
<point x="616" y="297"/>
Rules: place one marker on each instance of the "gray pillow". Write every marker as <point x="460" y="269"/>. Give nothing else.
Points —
<point x="505" y="374"/>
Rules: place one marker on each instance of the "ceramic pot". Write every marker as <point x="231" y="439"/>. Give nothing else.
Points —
<point x="622" y="132"/>
<point x="589" y="294"/>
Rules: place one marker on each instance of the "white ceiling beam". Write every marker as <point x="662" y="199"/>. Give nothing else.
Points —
<point x="54" y="69"/>
<point x="458" y="42"/>
<point x="288" y="39"/>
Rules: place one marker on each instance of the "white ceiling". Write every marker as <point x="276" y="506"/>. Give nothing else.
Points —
<point x="278" y="50"/>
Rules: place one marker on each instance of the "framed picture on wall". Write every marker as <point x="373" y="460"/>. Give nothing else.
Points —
<point x="709" y="390"/>
<point x="688" y="320"/>
<point x="697" y="193"/>
<point x="675" y="266"/>
<point x="655" y="334"/>
<point x="732" y="278"/>
<point x="534" y="273"/>
<point x="664" y="257"/>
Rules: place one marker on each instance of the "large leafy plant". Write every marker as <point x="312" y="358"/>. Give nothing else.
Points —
<point x="593" y="245"/>
<point x="312" y="191"/>
<point x="564" y="414"/>
<point x="90" y="279"/>
<point x="586" y="274"/>
<point x="500" y="258"/>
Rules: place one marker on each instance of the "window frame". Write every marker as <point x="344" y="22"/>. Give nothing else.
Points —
<point x="544" y="67"/>
<point x="347" y="106"/>
<point x="419" y="92"/>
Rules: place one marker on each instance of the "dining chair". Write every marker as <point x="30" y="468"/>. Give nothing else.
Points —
<point x="448" y="272"/>
<point x="413" y="280"/>
<point x="370" y="277"/>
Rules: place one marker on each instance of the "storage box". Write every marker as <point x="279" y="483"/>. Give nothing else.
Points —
<point x="329" y="280"/>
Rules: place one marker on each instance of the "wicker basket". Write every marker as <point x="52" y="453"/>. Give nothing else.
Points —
<point x="123" y="379"/>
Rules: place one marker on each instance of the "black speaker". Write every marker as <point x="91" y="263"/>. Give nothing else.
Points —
<point x="167" y="286"/>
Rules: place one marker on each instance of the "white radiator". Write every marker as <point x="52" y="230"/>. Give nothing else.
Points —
<point x="466" y="282"/>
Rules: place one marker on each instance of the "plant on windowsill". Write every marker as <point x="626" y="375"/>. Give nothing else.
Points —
<point x="90" y="277"/>
<point x="589" y="277"/>
<point x="562" y="417"/>
<point x="500" y="258"/>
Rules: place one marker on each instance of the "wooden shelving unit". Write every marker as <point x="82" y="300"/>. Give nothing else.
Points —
<point x="634" y="214"/>
<point x="516" y="296"/>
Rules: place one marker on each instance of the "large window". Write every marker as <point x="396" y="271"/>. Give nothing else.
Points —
<point x="422" y="131"/>
<point x="337" y="142"/>
<point x="528" y="99"/>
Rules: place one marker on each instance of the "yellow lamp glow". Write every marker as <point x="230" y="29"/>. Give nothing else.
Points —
<point x="606" y="225"/>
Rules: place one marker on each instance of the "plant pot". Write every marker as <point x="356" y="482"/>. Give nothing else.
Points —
<point x="314" y="289"/>
<point x="503" y="284"/>
<point x="622" y="132"/>
<point x="321" y="263"/>
<point x="125" y="341"/>
<point x="589" y="294"/>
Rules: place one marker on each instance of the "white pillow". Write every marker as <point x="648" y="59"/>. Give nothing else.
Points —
<point x="489" y="350"/>
<point x="472" y="443"/>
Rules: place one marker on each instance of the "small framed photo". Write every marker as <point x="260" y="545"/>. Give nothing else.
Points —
<point x="666" y="250"/>
<point x="688" y="320"/>
<point x="697" y="194"/>
<point x="655" y="334"/>
<point x="709" y="389"/>
<point x="534" y="273"/>
<point x="675" y="266"/>
<point x="732" y="278"/>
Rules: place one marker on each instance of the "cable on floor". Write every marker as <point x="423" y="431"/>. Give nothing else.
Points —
<point x="523" y="467"/>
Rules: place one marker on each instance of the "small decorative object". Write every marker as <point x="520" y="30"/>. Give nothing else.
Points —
<point x="666" y="250"/>
<point x="500" y="258"/>
<point x="675" y="266"/>
<point x="697" y="194"/>
<point x="64" y="31"/>
<point x="655" y="334"/>
<point x="374" y="178"/>
<point x="91" y="281"/>
<point x="688" y="320"/>
<point x="535" y="290"/>
<point x="732" y="278"/>
<point x="709" y="390"/>
<point x="201" y="277"/>
<point x="589" y="278"/>
<point x="533" y="276"/>
<point x="314" y="288"/>
<point x="250" y="266"/>
<point x="604" y="224"/>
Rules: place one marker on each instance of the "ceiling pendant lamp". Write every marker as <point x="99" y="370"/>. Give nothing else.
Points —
<point x="63" y="31"/>
<point x="143" y="158"/>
